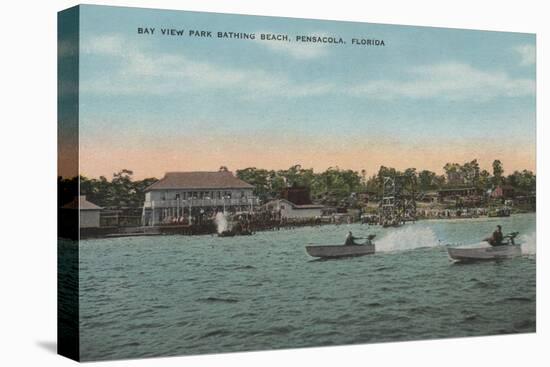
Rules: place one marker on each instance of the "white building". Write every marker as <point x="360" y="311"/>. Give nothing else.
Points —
<point x="88" y="212"/>
<point x="179" y="194"/>
<point x="289" y="210"/>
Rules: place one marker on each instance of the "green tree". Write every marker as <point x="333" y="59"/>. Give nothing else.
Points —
<point x="260" y="179"/>
<point x="121" y="191"/>
<point x="525" y="181"/>
<point x="439" y="181"/>
<point x="453" y="172"/>
<point x="470" y="171"/>
<point x="498" y="170"/>
<point x="484" y="179"/>
<point x="373" y="184"/>
<point x="427" y="180"/>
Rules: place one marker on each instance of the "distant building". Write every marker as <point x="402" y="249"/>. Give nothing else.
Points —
<point x="503" y="192"/>
<point x="287" y="209"/>
<point x="184" y="194"/>
<point x="89" y="212"/>
<point x="295" y="202"/>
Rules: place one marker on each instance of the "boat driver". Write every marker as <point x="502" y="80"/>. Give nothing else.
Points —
<point x="350" y="239"/>
<point x="497" y="237"/>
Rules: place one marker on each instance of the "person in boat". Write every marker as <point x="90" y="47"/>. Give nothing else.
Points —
<point x="497" y="237"/>
<point x="350" y="240"/>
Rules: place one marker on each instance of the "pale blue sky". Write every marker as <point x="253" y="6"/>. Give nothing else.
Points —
<point x="425" y="85"/>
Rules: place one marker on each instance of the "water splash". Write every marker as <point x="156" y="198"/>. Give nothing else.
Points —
<point x="528" y="243"/>
<point x="407" y="238"/>
<point x="221" y="222"/>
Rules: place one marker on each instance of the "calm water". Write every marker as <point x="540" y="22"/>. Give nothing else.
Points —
<point x="173" y="295"/>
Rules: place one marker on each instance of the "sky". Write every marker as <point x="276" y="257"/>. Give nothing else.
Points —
<point x="154" y="103"/>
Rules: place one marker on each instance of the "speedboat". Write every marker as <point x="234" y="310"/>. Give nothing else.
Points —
<point x="336" y="251"/>
<point x="508" y="249"/>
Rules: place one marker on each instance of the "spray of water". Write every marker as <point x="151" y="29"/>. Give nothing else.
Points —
<point x="528" y="243"/>
<point x="221" y="222"/>
<point x="407" y="238"/>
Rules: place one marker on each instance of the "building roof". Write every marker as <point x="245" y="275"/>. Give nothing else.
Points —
<point x="199" y="180"/>
<point x="82" y="204"/>
<point x="296" y="195"/>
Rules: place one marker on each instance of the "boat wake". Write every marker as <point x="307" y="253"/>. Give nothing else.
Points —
<point x="407" y="238"/>
<point x="528" y="244"/>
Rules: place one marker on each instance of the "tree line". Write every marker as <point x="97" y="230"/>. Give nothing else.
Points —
<point x="332" y="186"/>
<point x="118" y="192"/>
<point x="335" y="184"/>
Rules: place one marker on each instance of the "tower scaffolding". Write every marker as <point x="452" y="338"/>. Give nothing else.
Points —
<point x="398" y="203"/>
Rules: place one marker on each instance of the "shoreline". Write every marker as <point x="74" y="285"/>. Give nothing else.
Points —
<point x="210" y="228"/>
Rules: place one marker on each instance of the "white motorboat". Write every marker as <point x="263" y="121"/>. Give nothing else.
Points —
<point x="508" y="249"/>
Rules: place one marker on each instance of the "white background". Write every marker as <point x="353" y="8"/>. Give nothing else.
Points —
<point x="28" y="183"/>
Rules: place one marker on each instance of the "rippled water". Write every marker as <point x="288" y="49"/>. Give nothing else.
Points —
<point x="171" y="295"/>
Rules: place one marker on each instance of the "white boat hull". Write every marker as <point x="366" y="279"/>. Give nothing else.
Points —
<point x="484" y="253"/>
<point x="336" y="251"/>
